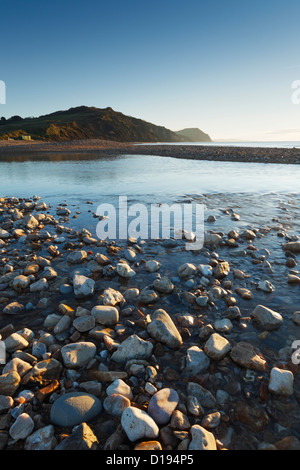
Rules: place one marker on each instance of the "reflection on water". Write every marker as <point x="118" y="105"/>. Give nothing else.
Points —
<point x="91" y="176"/>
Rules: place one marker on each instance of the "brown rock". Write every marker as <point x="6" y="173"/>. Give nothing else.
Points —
<point x="150" y="445"/>
<point x="247" y="356"/>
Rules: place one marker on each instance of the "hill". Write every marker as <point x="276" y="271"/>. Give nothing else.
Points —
<point x="193" y="135"/>
<point x="86" y="123"/>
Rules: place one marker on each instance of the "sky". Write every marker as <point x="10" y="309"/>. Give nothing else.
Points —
<point x="226" y="67"/>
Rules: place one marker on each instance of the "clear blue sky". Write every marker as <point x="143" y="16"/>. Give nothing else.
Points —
<point x="224" y="66"/>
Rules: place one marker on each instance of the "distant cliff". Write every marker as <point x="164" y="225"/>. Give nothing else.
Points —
<point x="194" y="135"/>
<point x="87" y="123"/>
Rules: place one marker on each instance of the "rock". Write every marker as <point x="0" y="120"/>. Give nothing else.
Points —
<point x="148" y="296"/>
<point x="9" y="383"/>
<point x="43" y="372"/>
<point x="221" y="270"/>
<point x="205" y="332"/>
<point x="202" y="300"/>
<point x="76" y="355"/>
<point x="186" y="270"/>
<point x="132" y="348"/>
<point x="22" y="427"/>
<point x="102" y="259"/>
<point x="41" y="206"/>
<point x="121" y="388"/>
<point x="14" y="308"/>
<point x="137" y="424"/>
<point x="148" y="445"/>
<point x="266" y="286"/>
<point x="216" y="347"/>
<point x="15" y="341"/>
<point x="293" y="279"/>
<point x="20" y="282"/>
<point x="131" y="294"/>
<point x="223" y="326"/>
<point x="6" y="402"/>
<point x="162" y="404"/>
<point x="162" y="329"/>
<point x="201" y="439"/>
<point x="246" y="355"/>
<point x="266" y="318"/>
<point x="115" y="404"/>
<point x="296" y="318"/>
<point x="72" y="409"/>
<point x="112" y="297"/>
<point x="4" y="234"/>
<point x="212" y="239"/>
<point x="77" y="257"/>
<point x="254" y="416"/>
<point x="281" y="382"/>
<point x="179" y="421"/>
<point x="204" y="396"/>
<point x="152" y="266"/>
<point x="205" y="270"/>
<point x="211" y="420"/>
<point x="293" y="247"/>
<point x="39" y="286"/>
<point x="105" y="315"/>
<point x="163" y="285"/>
<point x="130" y="254"/>
<point x="30" y="222"/>
<point x="124" y="270"/>
<point x="42" y="439"/>
<point x="246" y="294"/>
<point x="83" y="286"/>
<point x="63" y="324"/>
<point x="82" y="438"/>
<point x="288" y="443"/>
<point x="32" y="268"/>
<point x="196" y="361"/>
<point x="17" y="365"/>
<point x="84" y="323"/>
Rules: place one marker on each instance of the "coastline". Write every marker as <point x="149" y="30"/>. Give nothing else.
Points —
<point x="191" y="152"/>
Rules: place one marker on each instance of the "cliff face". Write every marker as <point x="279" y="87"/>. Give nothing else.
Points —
<point x="194" y="135"/>
<point x="87" y="123"/>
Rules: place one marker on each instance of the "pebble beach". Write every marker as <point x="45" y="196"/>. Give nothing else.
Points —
<point x="143" y="345"/>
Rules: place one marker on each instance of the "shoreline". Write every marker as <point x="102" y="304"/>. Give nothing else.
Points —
<point x="191" y="152"/>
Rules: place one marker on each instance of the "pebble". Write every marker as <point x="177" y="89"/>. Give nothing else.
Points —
<point x="124" y="270"/>
<point x="74" y="408"/>
<point x="121" y="388"/>
<point x="22" y="427"/>
<point x="76" y="355"/>
<point x="266" y="318"/>
<point x="196" y="361"/>
<point x="41" y="439"/>
<point x="137" y="424"/>
<point x="152" y="266"/>
<point x="132" y="348"/>
<point x="83" y="286"/>
<point x="281" y="382"/>
<point x="115" y="404"/>
<point x="164" y="330"/>
<point x="201" y="439"/>
<point x="105" y="315"/>
<point x="162" y="404"/>
<point x="216" y="347"/>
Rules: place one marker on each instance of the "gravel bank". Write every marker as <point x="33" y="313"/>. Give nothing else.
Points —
<point x="192" y="152"/>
